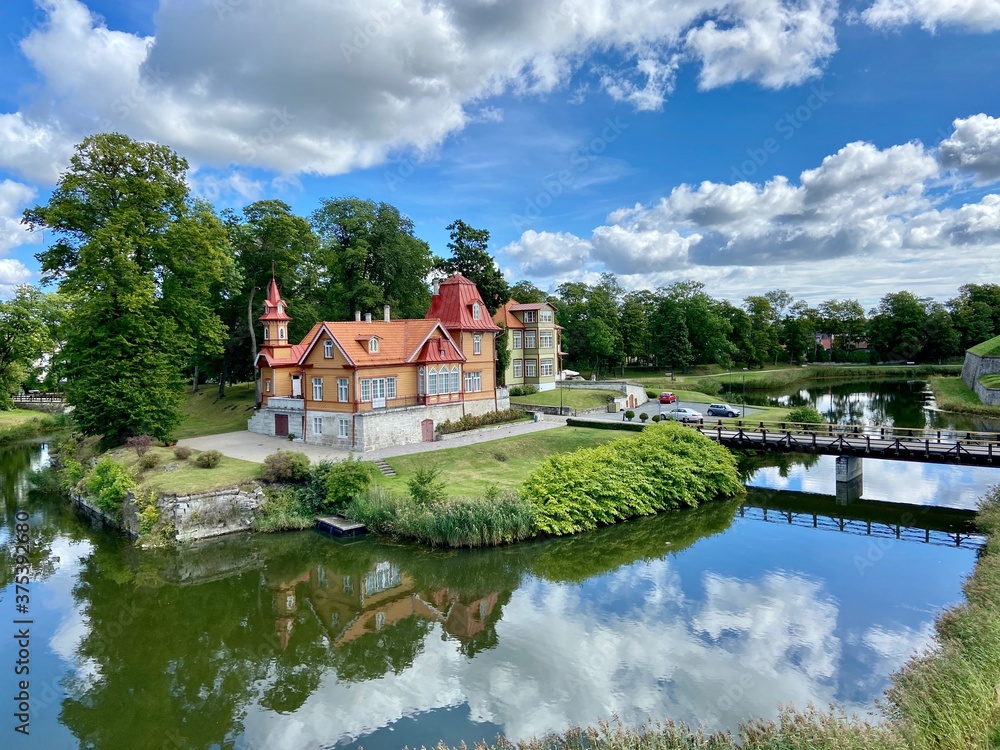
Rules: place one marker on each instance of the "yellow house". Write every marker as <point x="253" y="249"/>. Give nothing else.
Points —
<point x="534" y="341"/>
<point x="367" y="384"/>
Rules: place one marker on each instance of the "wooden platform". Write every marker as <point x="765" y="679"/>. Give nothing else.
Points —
<point x="340" y="526"/>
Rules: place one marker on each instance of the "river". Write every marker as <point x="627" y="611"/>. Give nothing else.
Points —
<point x="300" y="641"/>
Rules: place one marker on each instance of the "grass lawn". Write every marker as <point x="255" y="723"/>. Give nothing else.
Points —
<point x="575" y="398"/>
<point x="469" y="470"/>
<point x="204" y="413"/>
<point x="990" y="381"/>
<point x="188" y="477"/>
<point x="952" y="394"/>
<point x="990" y="348"/>
<point x="16" y="417"/>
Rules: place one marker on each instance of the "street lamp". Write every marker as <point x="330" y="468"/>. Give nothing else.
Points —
<point x="743" y="406"/>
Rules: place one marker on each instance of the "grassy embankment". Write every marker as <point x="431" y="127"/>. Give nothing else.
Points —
<point x="988" y="348"/>
<point x="23" y="424"/>
<point x="174" y="476"/>
<point x="204" y="413"/>
<point x="575" y="398"/>
<point x="952" y="394"/>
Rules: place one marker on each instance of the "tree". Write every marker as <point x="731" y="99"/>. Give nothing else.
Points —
<point x="123" y="228"/>
<point x="708" y="330"/>
<point x="527" y="293"/>
<point x="670" y="335"/>
<point x="636" y="312"/>
<point x="897" y="326"/>
<point x="470" y="258"/>
<point x="798" y="331"/>
<point x="372" y="258"/>
<point x="25" y="336"/>
<point x="976" y="313"/>
<point x="941" y="339"/>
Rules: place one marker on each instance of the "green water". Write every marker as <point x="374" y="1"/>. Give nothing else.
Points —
<point x="300" y="641"/>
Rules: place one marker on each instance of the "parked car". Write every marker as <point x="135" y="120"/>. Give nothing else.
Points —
<point x="682" y="415"/>
<point x="668" y="398"/>
<point x="722" y="410"/>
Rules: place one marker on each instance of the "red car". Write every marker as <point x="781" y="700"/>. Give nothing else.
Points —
<point x="667" y="397"/>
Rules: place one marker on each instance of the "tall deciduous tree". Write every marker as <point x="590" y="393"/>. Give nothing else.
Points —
<point x="470" y="258"/>
<point x="897" y="325"/>
<point x="25" y="336"/>
<point x="526" y="293"/>
<point x="124" y="230"/>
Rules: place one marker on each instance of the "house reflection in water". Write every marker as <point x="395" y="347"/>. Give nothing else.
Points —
<point x="349" y="606"/>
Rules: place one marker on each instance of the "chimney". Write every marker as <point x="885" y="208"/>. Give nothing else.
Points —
<point x="385" y="313"/>
<point x="436" y="287"/>
<point x="357" y="316"/>
<point x="368" y="317"/>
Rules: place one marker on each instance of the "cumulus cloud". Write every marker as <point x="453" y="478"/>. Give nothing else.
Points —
<point x="548" y="253"/>
<point x="968" y="15"/>
<point x="327" y="88"/>
<point x="974" y="146"/>
<point x="14" y="196"/>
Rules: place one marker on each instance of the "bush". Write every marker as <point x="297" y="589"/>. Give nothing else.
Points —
<point x="140" y="444"/>
<point x="312" y="493"/>
<point x="523" y="390"/>
<point x="630" y="415"/>
<point x="806" y="414"/>
<point x="667" y="466"/>
<point x="346" y="480"/>
<point x="643" y="417"/>
<point x="110" y="483"/>
<point x="149" y="461"/>
<point x="286" y="466"/>
<point x="182" y="452"/>
<point x="470" y="422"/>
<point x="208" y="459"/>
<point x="283" y="511"/>
<point x="426" y="486"/>
<point x="605" y="424"/>
<point x="656" y="418"/>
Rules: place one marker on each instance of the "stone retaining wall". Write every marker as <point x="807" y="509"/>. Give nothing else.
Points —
<point x="989" y="396"/>
<point x="975" y="367"/>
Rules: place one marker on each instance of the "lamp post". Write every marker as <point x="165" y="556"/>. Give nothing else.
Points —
<point x="743" y="405"/>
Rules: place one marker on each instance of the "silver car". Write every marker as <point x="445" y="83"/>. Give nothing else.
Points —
<point x="682" y="414"/>
<point x="722" y="410"/>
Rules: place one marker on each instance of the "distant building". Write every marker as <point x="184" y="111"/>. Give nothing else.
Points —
<point x="367" y="384"/>
<point x="534" y="341"/>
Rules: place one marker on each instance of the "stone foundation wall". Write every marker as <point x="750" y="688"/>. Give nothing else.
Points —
<point x="975" y="367"/>
<point x="625" y="387"/>
<point x="989" y="396"/>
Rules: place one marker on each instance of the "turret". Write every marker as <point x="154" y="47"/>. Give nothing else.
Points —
<point x="275" y="320"/>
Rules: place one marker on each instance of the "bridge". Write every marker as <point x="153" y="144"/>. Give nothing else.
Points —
<point x="50" y="402"/>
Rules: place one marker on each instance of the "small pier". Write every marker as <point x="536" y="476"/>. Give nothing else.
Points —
<point x="340" y="526"/>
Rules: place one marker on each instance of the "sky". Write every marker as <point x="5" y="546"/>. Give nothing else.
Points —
<point x="835" y="150"/>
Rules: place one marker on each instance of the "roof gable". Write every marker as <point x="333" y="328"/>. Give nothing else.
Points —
<point x="453" y="306"/>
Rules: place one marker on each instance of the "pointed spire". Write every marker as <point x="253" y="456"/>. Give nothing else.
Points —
<point x="274" y="307"/>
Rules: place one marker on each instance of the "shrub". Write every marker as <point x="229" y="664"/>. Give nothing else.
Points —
<point x="667" y="466"/>
<point x="149" y="461"/>
<point x="656" y="418"/>
<point x="346" y="480"/>
<point x="470" y="422"/>
<point x="283" y="511"/>
<point x="426" y="486"/>
<point x="523" y="390"/>
<point x="110" y="483"/>
<point x="604" y="424"/>
<point x="140" y="444"/>
<point x="312" y="493"/>
<point x="630" y="415"/>
<point x="182" y="452"/>
<point x="643" y="417"/>
<point x="286" y="466"/>
<point x="807" y="414"/>
<point x="208" y="459"/>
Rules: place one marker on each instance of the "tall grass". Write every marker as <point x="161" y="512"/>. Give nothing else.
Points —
<point x="952" y="394"/>
<point x="283" y="511"/>
<point x="777" y="379"/>
<point x="43" y="424"/>
<point x="488" y="521"/>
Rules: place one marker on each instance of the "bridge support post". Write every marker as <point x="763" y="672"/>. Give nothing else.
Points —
<point x="850" y="479"/>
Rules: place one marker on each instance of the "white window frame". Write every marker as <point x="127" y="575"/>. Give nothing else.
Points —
<point x="373" y="345"/>
<point x="545" y="316"/>
<point x="518" y="368"/>
<point x="421" y="379"/>
<point x="267" y="333"/>
<point x="468" y="382"/>
<point x="317" y="425"/>
<point x="529" y="339"/>
<point x="267" y="385"/>
<point x="317" y="384"/>
<point x="477" y="344"/>
<point x="342" y="390"/>
<point x="476" y="312"/>
<point x="281" y="333"/>
<point x="517" y="340"/>
<point x="456" y="380"/>
<point x="343" y="428"/>
<point x="477" y="381"/>
<point x="328" y="349"/>
<point x="545" y="339"/>
<point x="545" y="367"/>
<point x="366" y="390"/>
<point x="530" y="368"/>
<point x="432" y="382"/>
<point x="530" y="316"/>
<point x="390" y="387"/>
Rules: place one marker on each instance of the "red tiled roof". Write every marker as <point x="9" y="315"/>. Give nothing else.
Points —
<point x="452" y="305"/>
<point x="271" y="305"/>
<point x="505" y="318"/>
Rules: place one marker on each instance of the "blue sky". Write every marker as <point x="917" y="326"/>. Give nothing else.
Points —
<point x="834" y="150"/>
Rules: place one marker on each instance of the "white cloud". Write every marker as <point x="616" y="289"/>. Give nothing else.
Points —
<point x="974" y="146"/>
<point x="14" y="197"/>
<point x="968" y="15"/>
<point x="548" y="253"/>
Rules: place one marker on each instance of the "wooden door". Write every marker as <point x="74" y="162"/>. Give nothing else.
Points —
<point x="281" y="425"/>
<point x="427" y="430"/>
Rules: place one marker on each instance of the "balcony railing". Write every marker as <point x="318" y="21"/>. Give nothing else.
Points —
<point x="286" y="403"/>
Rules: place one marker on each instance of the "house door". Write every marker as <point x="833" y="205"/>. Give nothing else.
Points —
<point x="281" y="425"/>
<point x="378" y="393"/>
<point x="296" y="386"/>
<point x="427" y="430"/>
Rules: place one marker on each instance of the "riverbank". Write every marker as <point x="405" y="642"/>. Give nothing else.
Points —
<point x="23" y="424"/>
<point x="952" y="394"/>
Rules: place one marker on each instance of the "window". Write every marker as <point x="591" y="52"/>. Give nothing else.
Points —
<point x="328" y="349"/>
<point x="530" y="316"/>
<point x="432" y="382"/>
<point x="529" y="368"/>
<point x="473" y="382"/>
<point x="373" y="345"/>
<point x="517" y="339"/>
<point x="475" y="311"/>
<point x="477" y="344"/>
<point x="317" y="425"/>
<point x="420" y="381"/>
<point x="366" y="390"/>
<point x="517" y="368"/>
<point x="456" y="383"/>
<point x="280" y="310"/>
<point x="266" y="334"/>
<point x="545" y="316"/>
<point x="267" y="385"/>
<point x="342" y="389"/>
<point x="545" y="339"/>
<point x="390" y="387"/>
<point x="529" y="339"/>
<point x="317" y="389"/>
<point x="546" y="367"/>
<point x="343" y="427"/>
<point x="281" y="333"/>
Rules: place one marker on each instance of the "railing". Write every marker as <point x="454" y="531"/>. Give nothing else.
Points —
<point x="879" y="432"/>
<point x="34" y="397"/>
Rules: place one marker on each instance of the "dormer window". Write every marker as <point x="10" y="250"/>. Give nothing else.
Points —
<point x="280" y="310"/>
<point x="475" y="311"/>
<point x="281" y="333"/>
<point x="373" y="345"/>
<point x="328" y="349"/>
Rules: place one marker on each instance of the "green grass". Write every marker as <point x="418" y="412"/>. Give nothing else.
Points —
<point x="15" y="417"/>
<point x="23" y="424"/>
<point x="187" y="478"/>
<point x="991" y="381"/>
<point x="204" y="413"/>
<point x="952" y="394"/>
<point x="470" y="470"/>
<point x="574" y="398"/>
<point x="990" y="348"/>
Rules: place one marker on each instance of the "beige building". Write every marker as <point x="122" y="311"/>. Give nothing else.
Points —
<point x="534" y="341"/>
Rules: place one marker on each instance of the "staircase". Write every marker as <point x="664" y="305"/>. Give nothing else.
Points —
<point x="384" y="468"/>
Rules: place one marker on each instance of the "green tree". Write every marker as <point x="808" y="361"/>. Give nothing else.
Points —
<point x="941" y="338"/>
<point x="25" y="336"/>
<point x="897" y="326"/>
<point x="526" y="293"/>
<point x="798" y="331"/>
<point x="123" y="223"/>
<point x="708" y="329"/>
<point x="470" y="258"/>
<point x="636" y="312"/>
<point x="372" y="258"/>
<point x="976" y="313"/>
<point x="671" y="344"/>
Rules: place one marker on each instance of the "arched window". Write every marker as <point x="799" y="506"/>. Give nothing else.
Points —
<point x="420" y="381"/>
<point x="373" y="345"/>
<point x="280" y="309"/>
<point x="267" y="334"/>
<point x="475" y="311"/>
<point x="281" y="333"/>
<point x="432" y="382"/>
<point x="456" y="382"/>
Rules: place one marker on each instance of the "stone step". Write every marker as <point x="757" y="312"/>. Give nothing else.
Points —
<point x="384" y="468"/>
